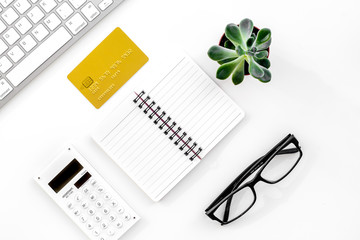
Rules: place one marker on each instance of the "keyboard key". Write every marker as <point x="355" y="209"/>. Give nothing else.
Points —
<point x="85" y="205"/>
<point x="48" y="5"/>
<point x="93" y="182"/>
<point x="96" y="232"/>
<point x="92" y="197"/>
<point x="70" y="205"/>
<point x="40" y="32"/>
<point x="16" y="54"/>
<point x="127" y="216"/>
<point x="35" y="15"/>
<point x="99" y="204"/>
<point x="3" y="47"/>
<point x="89" y="226"/>
<point x="77" y="3"/>
<point x="23" y="25"/>
<point x="39" y="56"/>
<point x="104" y="225"/>
<point x="11" y="36"/>
<point x="83" y="219"/>
<point x="112" y="217"/>
<point x="98" y="218"/>
<point x="5" y="89"/>
<point x="100" y="189"/>
<point x="52" y="21"/>
<point x="34" y="1"/>
<point x="78" y="197"/>
<point x="90" y="11"/>
<point x="22" y="6"/>
<point x="105" y="4"/>
<point x="2" y="26"/>
<point x="120" y="210"/>
<point x="105" y="211"/>
<point x="111" y="232"/>
<point x="6" y="3"/>
<point x="107" y="196"/>
<point x="64" y="11"/>
<point x="76" y="23"/>
<point x="113" y="203"/>
<point x="77" y="212"/>
<point x="118" y="224"/>
<point x="10" y="16"/>
<point x="91" y="211"/>
<point x="27" y="43"/>
<point x="103" y="238"/>
<point x="86" y="190"/>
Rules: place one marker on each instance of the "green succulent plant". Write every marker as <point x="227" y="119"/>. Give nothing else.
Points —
<point x="243" y="46"/>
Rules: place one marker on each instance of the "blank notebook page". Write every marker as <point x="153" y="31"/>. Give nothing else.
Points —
<point x="157" y="135"/>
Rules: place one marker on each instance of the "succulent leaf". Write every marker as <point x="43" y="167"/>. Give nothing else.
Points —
<point x="267" y="76"/>
<point x="263" y="39"/>
<point x="255" y="69"/>
<point x="232" y="32"/>
<point x="264" y="46"/>
<point x="225" y="70"/>
<point x="220" y="53"/>
<point x="246" y="27"/>
<point x="239" y="51"/>
<point x="250" y="42"/>
<point x="263" y="62"/>
<point x="229" y="45"/>
<point x="238" y="75"/>
<point x="261" y="55"/>
<point x="221" y="62"/>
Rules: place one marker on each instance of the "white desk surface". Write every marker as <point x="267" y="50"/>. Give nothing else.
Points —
<point x="314" y="94"/>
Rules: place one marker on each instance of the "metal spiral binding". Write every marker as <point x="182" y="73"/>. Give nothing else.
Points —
<point x="165" y="124"/>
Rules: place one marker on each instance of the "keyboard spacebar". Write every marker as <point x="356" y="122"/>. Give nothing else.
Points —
<point x="35" y="59"/>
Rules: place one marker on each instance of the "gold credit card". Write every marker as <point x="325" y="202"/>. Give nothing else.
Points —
<point x="107" y="68"/>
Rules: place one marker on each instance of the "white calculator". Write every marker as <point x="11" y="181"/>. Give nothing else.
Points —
<point x="85" y="197"/>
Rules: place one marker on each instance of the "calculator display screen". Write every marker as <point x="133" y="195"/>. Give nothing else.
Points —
<point x="65" y="176"/>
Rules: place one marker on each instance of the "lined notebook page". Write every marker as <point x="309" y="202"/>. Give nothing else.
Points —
<point x="192" y="100"/>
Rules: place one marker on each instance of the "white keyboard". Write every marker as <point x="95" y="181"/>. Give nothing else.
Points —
<point x="93" y="205"/>
<point x="34" y="32"/>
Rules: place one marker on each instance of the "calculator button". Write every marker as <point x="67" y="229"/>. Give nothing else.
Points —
<point x="111" y="232"/>
<point x="127" y="216"/>
<point x="93" y="182"/>
<point x="105" y="211"/>
<point x="112" y="217"/>
<point x="89" y="226"/>
<point x="120" y="210"/>
<point x="107" y="196"/>
<point x="85" y="205"/>
<point x="99" y="204"/>
<point x="100" y="189"/>
<point x="86" y="190"/>
<point x="114" y="203"/>
<point x="77" y="212"/>
<point x="96" y="232"/>
<point x="92" y="197"/>
<point x="78" y="197"/>
<point x="70" y="205"/>
<point x="91" y="211"/>
<point x="119" y="224"/>
<point x="97" y="218"/>
<point x="104" y="225"/>
<point x="83" y="219"/>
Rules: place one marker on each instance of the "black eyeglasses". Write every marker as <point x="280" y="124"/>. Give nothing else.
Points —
<point x="240" y="195"/>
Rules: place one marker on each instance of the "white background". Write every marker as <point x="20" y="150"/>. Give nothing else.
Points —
<point x="314" y="94"/>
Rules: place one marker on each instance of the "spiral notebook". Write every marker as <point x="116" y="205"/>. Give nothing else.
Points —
<point x="160" y="132"/>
